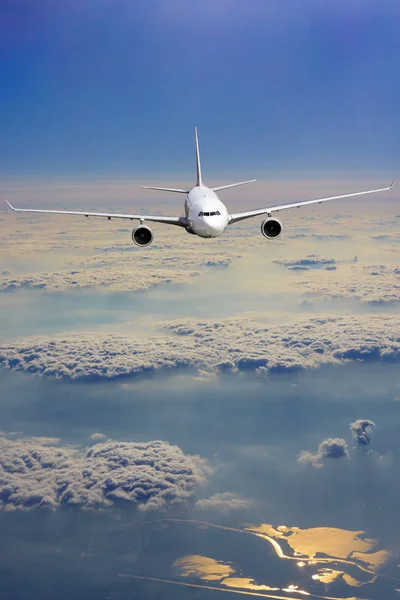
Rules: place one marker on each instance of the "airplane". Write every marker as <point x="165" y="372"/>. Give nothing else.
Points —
<point x="205" y="214"/>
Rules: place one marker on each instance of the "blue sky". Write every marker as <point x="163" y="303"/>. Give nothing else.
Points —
<point x="102" y="87"/>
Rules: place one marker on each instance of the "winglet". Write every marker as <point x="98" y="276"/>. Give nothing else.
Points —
<point x="12" y="208"/>
<point x="392" y="184"/>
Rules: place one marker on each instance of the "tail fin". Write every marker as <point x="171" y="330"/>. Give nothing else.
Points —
<point x="198" y="165"/>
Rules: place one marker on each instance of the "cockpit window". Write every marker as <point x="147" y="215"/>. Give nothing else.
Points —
<point x="209" y="214"/>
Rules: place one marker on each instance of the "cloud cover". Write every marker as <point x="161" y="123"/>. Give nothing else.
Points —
<point x="370" y="284"/>
<point x="39" y="473"/>
<point x="229" y="346"/>
<point x="122" y="267"/>
<point x="118" y="279"/>
<point x="68" y="256"/>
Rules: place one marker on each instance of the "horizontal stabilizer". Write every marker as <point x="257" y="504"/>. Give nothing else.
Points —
<point x="231" y="185"/>
<point x="163" y="189"/>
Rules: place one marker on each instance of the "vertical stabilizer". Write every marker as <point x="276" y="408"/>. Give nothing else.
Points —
<point x="198" y="165"/>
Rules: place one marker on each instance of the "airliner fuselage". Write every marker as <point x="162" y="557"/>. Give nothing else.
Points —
<point x="208" y="217"/>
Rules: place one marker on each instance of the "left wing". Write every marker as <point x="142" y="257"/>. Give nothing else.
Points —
<point x="180" y="221"/>
<point x="262" y="211"/>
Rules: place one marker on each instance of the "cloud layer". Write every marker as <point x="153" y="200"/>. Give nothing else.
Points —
<point x="39" y="473"/>
<point x="227" y="346"/>
<point x="117" y="279"/>
<point x="370" y="284"/>
<point x="68" y="257"/>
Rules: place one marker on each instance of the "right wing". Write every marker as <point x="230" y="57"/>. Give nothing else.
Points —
<point x="262" y="211"/>
<point x="180" y="221"/>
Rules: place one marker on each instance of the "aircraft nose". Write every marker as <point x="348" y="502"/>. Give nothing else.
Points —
<point x="210" y="222"/>
<point x="213" y="225"/>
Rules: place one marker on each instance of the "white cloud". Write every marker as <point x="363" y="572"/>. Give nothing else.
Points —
<point x="98" y="437"/>
<point x="39" y="473"/>
<point x="370" y="284"/>
<point x="361" y="431"/>
<point x="225" y="502"/>
<point x="329" y="448"/>
<point x="229" y="346"/>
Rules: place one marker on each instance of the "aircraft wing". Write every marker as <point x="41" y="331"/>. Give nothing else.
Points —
<point x="180" y="221"/>
<point x="262" y="211"/>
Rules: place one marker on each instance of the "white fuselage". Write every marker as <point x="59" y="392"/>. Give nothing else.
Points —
<point x="207" y="215"/>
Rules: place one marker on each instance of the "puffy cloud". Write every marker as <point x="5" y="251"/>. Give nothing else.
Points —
<point x="225" y="502"/>
<point x="329" y="448"/>
<point x="98" y="437"/>
<point x="361" y="430"/>
<point x="228" y="346"/>
<point x="333" y="448"/>
<point x="39" y="473"/>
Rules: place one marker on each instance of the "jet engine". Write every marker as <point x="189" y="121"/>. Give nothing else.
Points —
<point x="271" y="228"/>
<point x="142" y="235"/>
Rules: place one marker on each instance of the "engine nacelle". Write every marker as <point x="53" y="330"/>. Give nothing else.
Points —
<point x="142" y="235"/>
<point x="271" y="228"/>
